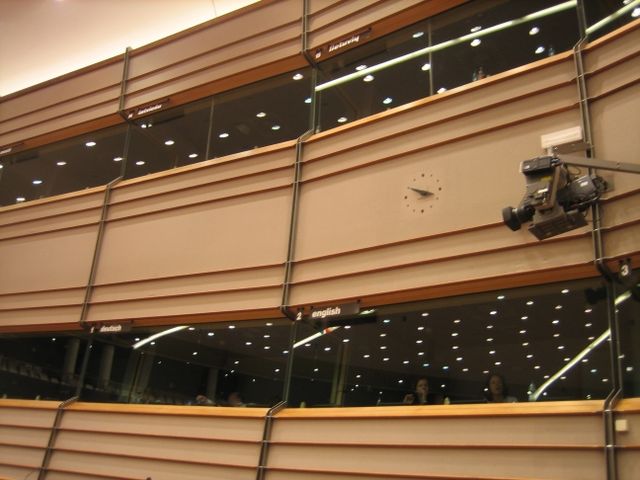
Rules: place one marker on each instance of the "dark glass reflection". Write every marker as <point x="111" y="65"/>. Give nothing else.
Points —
<point x="41" y="367"/>
<point x="605" y="16"/>
<point x="510" y="41"/>
<point x="81" y="162"/>
<point x="225" y="364"/>
<point x="169" y="139"/>
<point x="530" y="336"/>
<point x="628" y="313"/>
<point x="263" y="113"/>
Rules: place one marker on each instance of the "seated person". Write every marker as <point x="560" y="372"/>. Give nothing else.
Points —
<point x="496" y="390"/>
<point x="420" y="395"/>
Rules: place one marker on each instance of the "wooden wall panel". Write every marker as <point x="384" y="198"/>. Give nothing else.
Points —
<point x="25" y="427"/>
<point x="85" y="95"/>
<point x="200" y="243"/>
<point x="526" y="441"/>
<point x="379" y="236"/>
<point x="332" y="20"/>
<point x="216" y="50"/>
<point x="39" y="284"/>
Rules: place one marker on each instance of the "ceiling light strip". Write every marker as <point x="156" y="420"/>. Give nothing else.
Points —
<point x="158" y="335"/>
<point x="449" y="43"/>
<point x="314" y="336"/>
<point x="617" y="14"/>
<point x="593" y="345"/>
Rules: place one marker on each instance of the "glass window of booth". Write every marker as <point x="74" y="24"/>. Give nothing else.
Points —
<point x="42" y="366"/>
<point x="543" y="343"/>
<point x="605" y="16"/>
<point x="224" y="364"/>
<point x="85" y="161"/>
<point x="470" y="42"/>
<point x="627" y="304"/>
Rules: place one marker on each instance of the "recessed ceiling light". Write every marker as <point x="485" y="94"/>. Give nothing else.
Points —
<point x="269" y="324"/>
<point x="636" y="12"/>
<point x="327" y="349"/>
<point x="117" y="159"/>
<point x="191" y="329"/>
<point x="489" y="327"/>
<point x="224" y="135"/>
<point x="556" y="335"/>
<point x="534" y="31"/>
<point x="169" y="142"/>
<point x="565" y="291"/>
<point x="588" y="310"/>
<point x="475" y="29"/>
<point x="525" y="344"/>
<point x="530" y="355"/>
<point x="61" y="163"/>
<point x="458" y="359"/>
<point x="140" y="162"/>
<point x="588" y="324"/>
<point x="560" y="347"/>
<point x="530" y="302"/>
<point x="275" y="127"/>
<point x="537" y="367"/>
<point x="316" y="369"/>
<point x="194" y="353"/>
<point x="497" y="363"/>
<point x="385" y="359"/>
<point x="37" y="181"/>
<point x="417" y="34"/>
<point x="523" y="332"/>
<point x="386" y="320"/>
<point x="383" y="335"/>
<point x="418" y="341"/>
<point x="539" y="50"/>
<point x="426" y="364"/>
<point x="342" y="119"/>
<point x="193" y="155"/>
<point x="421" y="328"/>
<point x="500" y="297"/>
<point x="387" y="100"/>
<point x="369" y="78"/>
<point x="298" y="76"/>
<point x="420" y="354"/>
<point x="455" y="347"/>
<point x="441" y="90"/>
<point x="261" y="114"/>
<point x="307" y="100"/>
<point x="454" y="334"/>
<point x="426" y="67"/>
<point x="475" y="42"/>
<point x="446" y="367"/>
<point x="558" y="307"/>
<point x="425" y="314"/>
<point x="361" y="67"/>
<point x="489" y="339"/>
<point x="493" y="312"/>
<point x="366" y="355"/>
<point x="346" y="340"/>
<point x="248" y="343"/>
<point x="383" y="347"/>
<point x="555" y="322"/>
<point x="405" y="362"/>
<point x="524" y="317"/>
<point x="266" y="336"/>
<point x="465" y="369"/>
<point x="211" y="334"/>
<point x="20" y="199"/>
<point x="90" y="144"/>
<point x="231" y="327"/>
<point x="492" y="352"/>
<point x="267" y="347"/>
<point x="276" y="370"/>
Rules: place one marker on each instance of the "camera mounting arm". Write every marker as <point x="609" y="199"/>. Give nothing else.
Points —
<point x="600" y="164"/>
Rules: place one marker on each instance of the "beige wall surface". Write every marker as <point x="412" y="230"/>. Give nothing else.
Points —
<point x="212" y="238"/>
<point x="548" y="440"/>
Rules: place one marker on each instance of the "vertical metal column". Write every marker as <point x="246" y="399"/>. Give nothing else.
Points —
<point x="266" y="436"/>
<point x="52" y="437"/>
<point x="599" y="260"/>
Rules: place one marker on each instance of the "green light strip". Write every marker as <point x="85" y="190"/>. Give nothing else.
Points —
<point x="449" y="43"/>
<point x="613" y="16"/>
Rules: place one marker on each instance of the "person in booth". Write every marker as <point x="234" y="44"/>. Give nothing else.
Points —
<point x="496" y="390"/>
<point x="420" y="394"/>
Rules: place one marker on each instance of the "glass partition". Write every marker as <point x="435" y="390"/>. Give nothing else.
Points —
<point x="81" y="162"/>
<point x="535" y="343"/>
<point x="260" y="114"/>
<point x="628" y="312"/>
<point x="225" y="364"/>
<point x="40" y="367"/>
<point x="605" y="16"/>
<point x="476" y="40"/>
<point x="168" y="139"/>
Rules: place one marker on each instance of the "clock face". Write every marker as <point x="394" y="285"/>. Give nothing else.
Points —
<point x="421" y="192"/>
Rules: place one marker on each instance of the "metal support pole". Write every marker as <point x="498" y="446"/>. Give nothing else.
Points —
<point x="52" y="437"/>
<point x="266" y="436"/>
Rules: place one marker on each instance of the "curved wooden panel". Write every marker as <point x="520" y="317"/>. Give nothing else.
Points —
<point x="331" y="21"/>
<point x="216" y="50"/>
<point x="79" y="97"/>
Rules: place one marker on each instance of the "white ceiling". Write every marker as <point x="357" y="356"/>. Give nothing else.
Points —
<point x="42" y="39"/>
